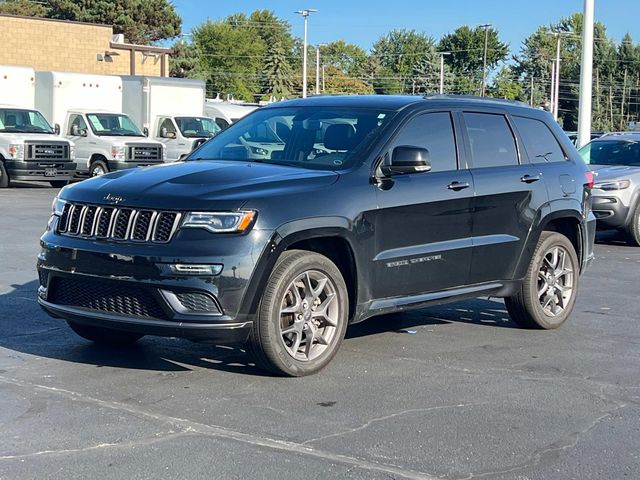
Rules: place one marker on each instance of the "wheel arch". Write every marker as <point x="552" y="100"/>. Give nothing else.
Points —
<point x="331" y="239"/>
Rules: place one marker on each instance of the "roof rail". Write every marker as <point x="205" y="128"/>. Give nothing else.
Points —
<point x="476" y="98"/>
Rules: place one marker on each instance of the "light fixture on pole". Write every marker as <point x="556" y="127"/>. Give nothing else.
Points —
<point x="305" y="14"/>
<point x="586" y="76"/>
<point x="486" y="27"/>
<point x="442" y="54"/>
<point x="318" y="47"/>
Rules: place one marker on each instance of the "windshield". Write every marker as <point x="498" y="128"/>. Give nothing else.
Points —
<point x="23" y="121"/>
<point x="113" y="125"/>
<point x="321" y="138"/>
<point x="196" y="127"/>
<point x="612" y="152"/>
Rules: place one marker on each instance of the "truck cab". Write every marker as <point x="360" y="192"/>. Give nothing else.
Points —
<point x="30" y="148"/>
<point x="107" y="141"/>
<point x="180" y="135"/>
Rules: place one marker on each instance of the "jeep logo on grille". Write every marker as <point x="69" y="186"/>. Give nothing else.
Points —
<point x="115" y="199"/>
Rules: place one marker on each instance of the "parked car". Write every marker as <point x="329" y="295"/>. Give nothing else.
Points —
<point x="224" y="112"/>
<point x="573" y="136"/>
<point x="399" y="203"/>
<point x="88" y="108"/>
<point x="30" y="148"/>
<point x="616" y="194"/>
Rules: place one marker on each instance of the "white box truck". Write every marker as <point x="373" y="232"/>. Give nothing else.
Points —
<point x="224" y="112"/>
<point x="88" y="108"/>
<point x="172" y="109"/>
<point x="30" y="148"/>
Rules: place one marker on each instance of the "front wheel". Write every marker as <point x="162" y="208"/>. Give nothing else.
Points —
<point x="548" y="293"/>
<point x="105" y="336"/>
<point x="97" y="168"/>
<point x="58" y="183"/>
<point x="4" y="176"/>
<point x="302" y="317"/>
<point x="633" y="229"/>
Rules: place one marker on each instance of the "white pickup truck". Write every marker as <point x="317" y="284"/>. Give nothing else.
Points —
<point x="30" y="148"/>
<point x="172" y="109"/>
<point x="89" y="109"/>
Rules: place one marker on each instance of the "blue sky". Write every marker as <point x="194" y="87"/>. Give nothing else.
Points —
<point x="363" y="22"/>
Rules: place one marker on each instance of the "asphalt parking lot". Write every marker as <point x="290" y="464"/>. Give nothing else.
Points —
<point x="451" y="392"/>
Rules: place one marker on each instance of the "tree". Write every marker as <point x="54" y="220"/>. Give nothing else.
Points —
<point x="184" y="60"/>
<point x="506" y="85"/>
<point x="348" y="58"/>
<point x="336" y="82"/>
<point x="25" y="8"/>
<point x="467" y="49"/>
<point x="279" y="78"/>
<point x="398" y="54"/>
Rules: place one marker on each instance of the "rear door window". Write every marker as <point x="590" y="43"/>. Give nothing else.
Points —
<point x="492" y="141"/>
<point x="542" y="146"/>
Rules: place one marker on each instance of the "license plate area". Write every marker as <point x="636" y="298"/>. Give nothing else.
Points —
<point x="50" y="172"/>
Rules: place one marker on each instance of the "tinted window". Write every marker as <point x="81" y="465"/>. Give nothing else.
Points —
<point x="321" y="138"/>
<point x="492" y="142"/>
<point x="612" y="152"/>
<point x="540" y="143"/>
<point x="168" y="125"/>
<point x="433" y="131"/>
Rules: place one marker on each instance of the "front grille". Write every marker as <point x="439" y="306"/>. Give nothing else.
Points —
<point x="106" y="297"/>
<point x="46" y="151"/>
<point x="197" y="302"/>
<point x="43" y="276"/>
<point x="144" y="153"/>
<point x="123" y="224"/>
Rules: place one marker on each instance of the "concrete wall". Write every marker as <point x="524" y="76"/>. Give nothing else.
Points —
<point x="71" y="47"/>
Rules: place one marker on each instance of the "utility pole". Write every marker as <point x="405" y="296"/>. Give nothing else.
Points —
<point x="624" y="93"/>
<point x="556" y="105"/>
<point x="553" y="87"/>
<point x="442" y="54"/>
<point x="486" y="27"/>
<point x="305" y="14"/>
<point x="323" y="84"/>
<point x="586" y="75"/>
<point x="531" y="101"/>
<point x="320" y="45"/>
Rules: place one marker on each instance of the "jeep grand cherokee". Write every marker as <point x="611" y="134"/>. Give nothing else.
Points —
<point x="308" y="215"/>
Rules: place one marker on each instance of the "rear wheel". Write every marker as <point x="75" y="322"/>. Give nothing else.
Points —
<point x="105" y="336"/>
<point x="302" y="317"/>
<point x="548" y="293"/>
<point x="4" y="176"/>
<point x="633" y="229"/>
<point x="58" y="183"/>
<point x="97" y="168"/>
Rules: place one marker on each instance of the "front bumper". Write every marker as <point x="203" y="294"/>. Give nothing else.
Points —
<point x="40" y="170"/>
<point x="610" y="211"/>
<point x="115" y="166"/>
<point x="131" y="287"/>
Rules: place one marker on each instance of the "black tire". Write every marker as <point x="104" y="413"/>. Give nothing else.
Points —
<point x="525" y="306"/>
<point x="632" y="230"/>
<point x="267" y="342"/>
<point x="58" y="183"/>
<point x="4" y="176"/>
<point x="97" y="168"/>
<point x="105" y="336"/>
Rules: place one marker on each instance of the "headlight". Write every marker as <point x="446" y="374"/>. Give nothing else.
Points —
<point x="72" y="153"/>
<point x="164" y="153"/>
<point x="57" y="206"/>
<point x="220" y="222"/>
<point x="118" y="152"/>
<point x="616" y="185"/>
<point x="16" y="150"/>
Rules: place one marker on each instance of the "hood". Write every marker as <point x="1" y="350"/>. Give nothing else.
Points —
<point x="197" y="185"/>
<point x="11" y="137"/>
<point x="612" y="172"/>
<point x="116" y="140"/>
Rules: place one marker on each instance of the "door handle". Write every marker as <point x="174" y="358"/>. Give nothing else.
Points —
<point x="457" y="186"/>
<point x="530" y="178"/>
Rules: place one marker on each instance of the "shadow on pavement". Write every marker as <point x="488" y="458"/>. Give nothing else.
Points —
<point x="25" y="328"/>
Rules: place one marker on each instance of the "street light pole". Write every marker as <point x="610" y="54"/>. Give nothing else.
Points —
<point x="442" y="54"/>
<point x="586" y="76"/>
<point x="486" y="27"/>
<point x="556" y="105"/>
<point x="320" y="45"/>
<point x="305" y="14"/>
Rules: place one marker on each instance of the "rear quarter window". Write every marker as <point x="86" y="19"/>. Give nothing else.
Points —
<point x="540" y="143"/>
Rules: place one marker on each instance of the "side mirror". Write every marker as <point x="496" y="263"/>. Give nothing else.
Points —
<point x="164" y="133"/>
<point x="56" y="129"/>
<point x="407" y="159"/>
<point x="145" y="131"/>
<point x="75" y="130"/>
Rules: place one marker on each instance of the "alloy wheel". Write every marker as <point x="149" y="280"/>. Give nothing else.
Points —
<point x="555" y="281"/>
<point x="309" y="316"/>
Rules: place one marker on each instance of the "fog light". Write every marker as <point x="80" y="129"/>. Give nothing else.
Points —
<point x="195" y="269"/>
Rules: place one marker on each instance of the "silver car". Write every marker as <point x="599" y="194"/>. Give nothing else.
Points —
<point x="615" y="158"/>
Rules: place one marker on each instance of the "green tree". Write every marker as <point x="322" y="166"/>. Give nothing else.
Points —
<point x="184" y="60"/>
<point x="350" y="59"/>
<point x="398" y="55"/>
<point x="506" y="85"/>
<point x="25" y="8"/>
<point x="279" y="77"/>
<point x="336" y="82"/>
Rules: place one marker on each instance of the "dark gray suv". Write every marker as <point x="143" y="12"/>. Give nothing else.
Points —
<point x="308" y="215"/>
